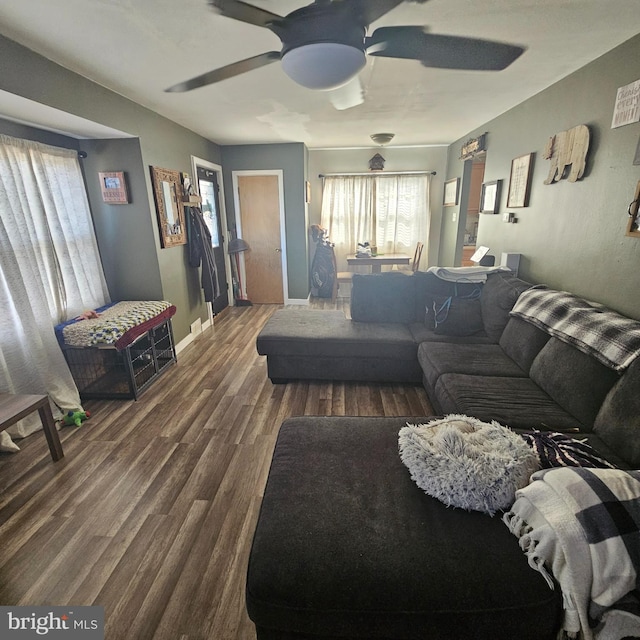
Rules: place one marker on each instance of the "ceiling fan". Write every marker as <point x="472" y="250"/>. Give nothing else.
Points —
<point x="324" y="44"/>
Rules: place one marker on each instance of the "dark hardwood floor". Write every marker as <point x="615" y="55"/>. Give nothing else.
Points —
<point x="151" y="512"/>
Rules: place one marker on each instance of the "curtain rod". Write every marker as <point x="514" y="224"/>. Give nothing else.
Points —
<point x="379" y="173"/>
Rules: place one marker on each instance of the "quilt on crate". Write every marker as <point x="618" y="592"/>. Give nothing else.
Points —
<point x="117" y="324"/>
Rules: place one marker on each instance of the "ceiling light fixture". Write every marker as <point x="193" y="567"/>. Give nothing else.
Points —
<point x="323" y="65"/>
<point x="382" y="138"/>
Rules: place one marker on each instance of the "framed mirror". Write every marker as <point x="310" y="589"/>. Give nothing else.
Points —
<point x="167" y="191"/>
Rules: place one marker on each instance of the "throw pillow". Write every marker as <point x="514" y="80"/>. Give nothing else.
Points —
<point x="466" y="463"/>
<point x="560" y="450"/>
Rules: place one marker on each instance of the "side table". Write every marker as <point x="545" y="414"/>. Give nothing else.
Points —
<point x="14" y="407"/>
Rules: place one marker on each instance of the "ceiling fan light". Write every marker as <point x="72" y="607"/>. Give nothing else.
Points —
<point x="323" y="65"/>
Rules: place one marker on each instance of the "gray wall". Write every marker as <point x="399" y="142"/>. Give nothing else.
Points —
<point x="128" y="236"/>
<point x="290" y="158"/>
<point x="572" y="235"/>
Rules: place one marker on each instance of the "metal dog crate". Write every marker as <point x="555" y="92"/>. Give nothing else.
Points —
<point x="105" y="372"/>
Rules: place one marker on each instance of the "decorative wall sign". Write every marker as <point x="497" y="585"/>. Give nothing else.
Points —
<point x="520" y="181"/>
<point x="451" y="189"/>
<point x="473" y="147"/>
<point x="567" y="148"/>
<point x="113" y="187"/>
<point x="627" y="107"/>
<point x="490" y="197"/>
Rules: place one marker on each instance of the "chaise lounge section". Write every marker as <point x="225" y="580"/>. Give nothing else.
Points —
<point x="348" y="547"/>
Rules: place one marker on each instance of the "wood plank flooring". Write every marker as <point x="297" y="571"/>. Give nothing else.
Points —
<point x="151" y="512"/>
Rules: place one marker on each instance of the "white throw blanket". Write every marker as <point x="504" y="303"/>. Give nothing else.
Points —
<point x="583" y="527"/>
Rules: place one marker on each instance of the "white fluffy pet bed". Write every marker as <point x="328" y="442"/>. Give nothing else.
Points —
<point x="466" y="463"/>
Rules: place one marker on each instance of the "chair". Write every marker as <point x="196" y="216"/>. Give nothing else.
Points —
<point x="417" y="255"/>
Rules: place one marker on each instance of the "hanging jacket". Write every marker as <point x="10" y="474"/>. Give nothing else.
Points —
<point x="201" y="253"/>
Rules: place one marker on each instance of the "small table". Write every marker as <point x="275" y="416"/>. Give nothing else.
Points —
<point x="14" y="407"/>
<point x="376" y="262"/>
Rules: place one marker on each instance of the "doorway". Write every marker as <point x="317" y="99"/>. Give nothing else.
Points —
<point x="207" y="181"/>
<point x="472" y="218"/>
<point x="260" y="220"/>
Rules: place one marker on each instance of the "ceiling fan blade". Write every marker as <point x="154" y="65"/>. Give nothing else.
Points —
<point x="371" y="10"/>
<point x="348" y="95"/>
<point x="444" y="52"/>
<point x="244" y="12"/>
<point x="229" y="71"/>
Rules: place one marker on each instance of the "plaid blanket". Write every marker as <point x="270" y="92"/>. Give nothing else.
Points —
<point x="607" y="336"/>
<point x="582" y="526"/>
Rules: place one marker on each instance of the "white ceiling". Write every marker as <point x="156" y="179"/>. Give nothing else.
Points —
<point x="138" y="48"/>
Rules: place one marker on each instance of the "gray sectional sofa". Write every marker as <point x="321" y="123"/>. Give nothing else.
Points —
<point x="474" y="357"/>
<point x="346" y="545"/>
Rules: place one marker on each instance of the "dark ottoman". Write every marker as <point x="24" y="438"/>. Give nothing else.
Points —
<point x="347" y="546"/>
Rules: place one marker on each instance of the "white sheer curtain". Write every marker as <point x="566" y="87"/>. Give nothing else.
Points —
<point x="389" y="211"/>
<point x="347" y="213"/>
<point x="50" y="270"/>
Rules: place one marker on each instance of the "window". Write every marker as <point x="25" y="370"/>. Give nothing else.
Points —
<point x="390" y="211"/>
<point x="50" y="267"/>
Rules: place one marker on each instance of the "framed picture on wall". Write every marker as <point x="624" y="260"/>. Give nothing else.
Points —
<point x="490" y="196"/>
<point x="520" y="181"/>
<point x="113" y="187"/>
<point x="451" y="189"/>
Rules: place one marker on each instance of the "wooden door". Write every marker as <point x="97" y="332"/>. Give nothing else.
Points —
<point x="259" y="199"/>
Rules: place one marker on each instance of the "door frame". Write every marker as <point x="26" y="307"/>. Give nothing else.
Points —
<point x="283" y="236"/>
<point x="207" y="164"/>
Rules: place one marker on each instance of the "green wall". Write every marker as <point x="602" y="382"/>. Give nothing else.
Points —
<point x="291" y="160"/>
<point x="572" y="235"/>
<point x="134" y="262"/>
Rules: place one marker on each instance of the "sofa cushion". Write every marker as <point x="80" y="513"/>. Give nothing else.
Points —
<point x="573" y="379"/>
<point x="382" y="297"/>
<point x="422" y="333"/>
<point x="453" y="316"/>
<point x="347" y="546"/>
<point x="428" y="286"/>
<point x="499" y="294"/>
<point x="618" y="421"/>
<point x="319" y="332"/>
<point x="513" y="402"/>
<point x="473" y="359"/>
<point x="522" y="342"/>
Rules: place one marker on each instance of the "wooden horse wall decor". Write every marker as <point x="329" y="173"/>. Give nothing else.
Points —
<point x="567" y="148"/>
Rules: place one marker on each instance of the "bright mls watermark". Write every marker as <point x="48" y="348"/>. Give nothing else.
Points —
<point x="53" y="623"/>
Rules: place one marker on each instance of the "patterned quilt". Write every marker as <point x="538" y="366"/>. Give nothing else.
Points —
<point x="113" y="323"/>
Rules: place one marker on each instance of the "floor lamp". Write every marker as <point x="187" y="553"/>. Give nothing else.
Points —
<point x="235" y="248"/>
